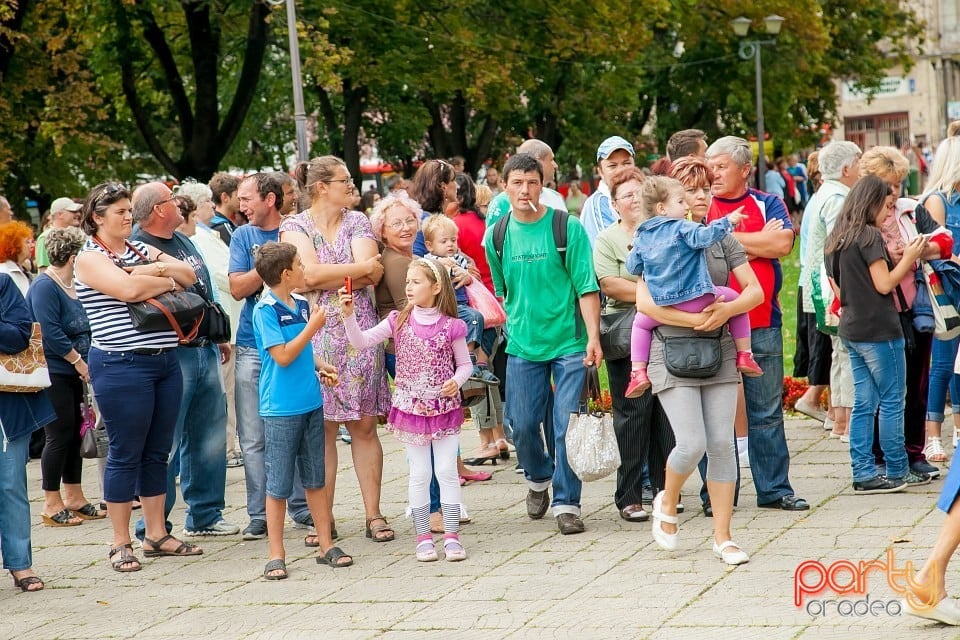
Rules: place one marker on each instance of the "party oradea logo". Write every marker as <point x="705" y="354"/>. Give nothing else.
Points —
<point x="843" y="587"/>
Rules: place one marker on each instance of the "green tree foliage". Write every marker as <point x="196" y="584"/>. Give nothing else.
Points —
<point x="96" y="88"/>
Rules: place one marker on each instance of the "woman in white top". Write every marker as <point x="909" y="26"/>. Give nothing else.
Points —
<point x="135" y="374"/>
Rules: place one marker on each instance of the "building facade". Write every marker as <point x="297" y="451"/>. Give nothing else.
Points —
<point x="915" y="106"/>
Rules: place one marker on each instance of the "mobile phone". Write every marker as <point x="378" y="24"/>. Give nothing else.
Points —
<point x="348" y="284"/>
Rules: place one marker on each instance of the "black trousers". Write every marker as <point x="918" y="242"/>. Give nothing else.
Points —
<point x="643" y="433"/>
<point x="61" y="453"/>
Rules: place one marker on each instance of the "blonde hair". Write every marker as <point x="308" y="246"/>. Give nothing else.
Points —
<point x="656" y="190"/>
<point x="945" y="168"/>
<point x="438" y="224"/>
<point x="484" y="195"/>
<point x="379" y="214"/>
<point x="885" y="163"/>
<point x="445" y="301"/>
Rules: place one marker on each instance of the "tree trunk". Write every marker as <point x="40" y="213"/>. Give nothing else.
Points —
<point x="354" y="102"/>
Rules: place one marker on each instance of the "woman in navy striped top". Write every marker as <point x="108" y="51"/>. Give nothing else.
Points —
<point x="135" y="374"/>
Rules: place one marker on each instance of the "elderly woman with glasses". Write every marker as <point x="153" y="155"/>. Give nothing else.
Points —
<point x="135" y="373"/>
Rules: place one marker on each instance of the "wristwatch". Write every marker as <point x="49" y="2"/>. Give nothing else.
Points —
<point x="161" y="267"/>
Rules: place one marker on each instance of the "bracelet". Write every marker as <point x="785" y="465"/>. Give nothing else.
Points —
<point x="74" y="363"/>
<point x="173" y="284"/>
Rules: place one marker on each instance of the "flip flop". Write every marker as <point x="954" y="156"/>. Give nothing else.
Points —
<point x="89" y="512"/>
<point x="275" y="565"/>
<point x="61" y="518"/>
<point x="185" y="548"/>
<point x="332" y="558"/>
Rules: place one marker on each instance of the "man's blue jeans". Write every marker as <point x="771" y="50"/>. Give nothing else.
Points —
<point x="15" y="507"/>
<point x="253" y="444"/>
<point x="767" y="444"/>
<point x="199" y="449"/>
<point x="527" y="397"/>
<point x="879" y="381"/>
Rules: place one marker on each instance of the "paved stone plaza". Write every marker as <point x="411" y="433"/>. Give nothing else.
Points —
<point x="522" y="579"/>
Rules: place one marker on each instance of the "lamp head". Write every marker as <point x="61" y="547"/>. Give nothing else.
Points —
<point x="741" y="26"/>
<point x="773" y="23"/>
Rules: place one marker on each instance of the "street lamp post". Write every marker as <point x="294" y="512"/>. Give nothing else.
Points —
<point x="751" y="49"/>
<point x="299" y="112"/>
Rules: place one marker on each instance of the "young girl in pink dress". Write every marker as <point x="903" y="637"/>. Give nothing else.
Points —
<point x="433" y="362"/>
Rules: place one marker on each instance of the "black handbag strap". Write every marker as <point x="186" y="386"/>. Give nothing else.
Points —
<point x="591" y="386"/>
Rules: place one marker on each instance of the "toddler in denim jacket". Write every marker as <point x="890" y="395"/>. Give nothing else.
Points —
<point x="668" y="251"/>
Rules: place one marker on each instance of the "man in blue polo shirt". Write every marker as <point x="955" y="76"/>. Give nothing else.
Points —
<point x="261" y="197"/>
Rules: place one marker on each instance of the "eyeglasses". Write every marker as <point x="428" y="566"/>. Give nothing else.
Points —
<point x="172" y="198"/>
<point x="407" y="223"/>
<point x="345" y="181"/>
<point x="635" y="195"/>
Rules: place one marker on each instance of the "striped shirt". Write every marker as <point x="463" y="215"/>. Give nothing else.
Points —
<point x="110" y="321"/>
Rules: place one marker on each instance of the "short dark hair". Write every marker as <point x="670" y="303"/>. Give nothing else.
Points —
<point x="268" y="183"/>
<point x="272" y="259"/>
<point x="522" y="162"/>
<point x="466" y="192"/>
<point x="222" y="183"/>
<point x="684" y="143"/>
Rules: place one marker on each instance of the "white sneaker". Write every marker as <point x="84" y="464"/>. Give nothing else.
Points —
<point x="221" y="528"/>
<point x="828" y="424"/>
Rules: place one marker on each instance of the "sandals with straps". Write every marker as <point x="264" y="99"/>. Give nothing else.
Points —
<point x="934" y="450"/>
<point x="157" y="550"/>
<point x="374" y="532"/>
<point x="127" y="562"/>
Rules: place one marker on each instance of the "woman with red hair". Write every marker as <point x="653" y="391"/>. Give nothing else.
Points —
<point x="16" y="245"/>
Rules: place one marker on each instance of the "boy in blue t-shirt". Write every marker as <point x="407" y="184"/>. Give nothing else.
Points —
<point x="290" y="402"/>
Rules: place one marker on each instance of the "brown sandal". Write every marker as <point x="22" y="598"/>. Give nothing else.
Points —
<point x="374" y="532"/>
<point x="126" y="558"/>
<point x="28" y="584"/>
<point x="185" y="548"/>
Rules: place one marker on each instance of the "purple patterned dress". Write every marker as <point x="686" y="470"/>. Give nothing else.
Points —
<point x="363" y="389"/>
<point x="424" y="362"/>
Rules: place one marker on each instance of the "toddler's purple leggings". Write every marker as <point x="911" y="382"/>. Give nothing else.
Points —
<point x="643" y="326"/>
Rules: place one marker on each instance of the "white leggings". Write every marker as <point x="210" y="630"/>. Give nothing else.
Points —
<point x="445" y="466"/>
<point x="702" y="421"/>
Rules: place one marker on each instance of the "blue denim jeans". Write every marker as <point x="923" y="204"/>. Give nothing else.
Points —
<point x="139" y="399"/>
<point x="253" y="444"/>
<point x="14" y="507"/>
<point x="528" y="395"/>
<point x="879" y="381"/>
<point x="199" y="450"/>
<point x="295" y="445"/>
<point x="942" y="377"/>
<point x="769" y="455"/>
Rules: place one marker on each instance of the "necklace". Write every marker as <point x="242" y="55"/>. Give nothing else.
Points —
<point x="57" y="278"/>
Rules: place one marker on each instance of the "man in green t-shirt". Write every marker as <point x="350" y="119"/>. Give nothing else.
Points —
<point x="547" y="336"/>
<point x="64" y="213"/>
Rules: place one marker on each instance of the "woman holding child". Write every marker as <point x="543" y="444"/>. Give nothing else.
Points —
<point x="701" y="410"/>
<point x="336" y="243"/>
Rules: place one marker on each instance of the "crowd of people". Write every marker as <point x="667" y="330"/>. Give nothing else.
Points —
<point x="329" y="297"/>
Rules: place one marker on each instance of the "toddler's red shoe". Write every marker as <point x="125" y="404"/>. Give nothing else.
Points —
<point x="639" y="382"/>
<point x="747" y="365"/>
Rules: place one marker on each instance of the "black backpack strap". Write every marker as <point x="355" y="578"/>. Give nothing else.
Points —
<point x="560" y="234"/>
<point x="499" y="235"/>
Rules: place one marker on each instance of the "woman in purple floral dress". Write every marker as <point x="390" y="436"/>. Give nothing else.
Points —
<point x="335" y="243"/>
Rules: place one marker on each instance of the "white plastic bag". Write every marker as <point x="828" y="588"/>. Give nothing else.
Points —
<point x="592" y="449"/>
